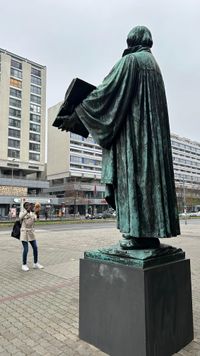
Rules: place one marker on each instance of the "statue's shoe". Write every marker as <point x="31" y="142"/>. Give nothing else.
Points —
<point x="132" y="243"/>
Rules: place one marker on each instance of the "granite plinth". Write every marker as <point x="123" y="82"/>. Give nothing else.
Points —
<point x="132" y="311"/>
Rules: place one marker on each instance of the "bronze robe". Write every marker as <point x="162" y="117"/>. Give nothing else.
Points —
<point x="127" y="116"/>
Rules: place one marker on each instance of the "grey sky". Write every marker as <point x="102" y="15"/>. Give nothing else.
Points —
<point x="84" y="38"/>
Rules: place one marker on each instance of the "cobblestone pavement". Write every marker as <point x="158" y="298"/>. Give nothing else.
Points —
<point x="39" y="308"/>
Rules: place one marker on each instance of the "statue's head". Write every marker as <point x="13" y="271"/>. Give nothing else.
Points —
<point x="139" y="36"/>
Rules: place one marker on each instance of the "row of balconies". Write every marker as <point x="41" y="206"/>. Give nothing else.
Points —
<point x="24" y="182"/>
<point x="76" y="187"/>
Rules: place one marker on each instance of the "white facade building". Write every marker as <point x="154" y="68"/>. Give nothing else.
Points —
<point x="85" y="157"/>
<point x="70" y="155"/>
<point x="22" y="127"/>
<point x="186" y="161"/>
<point x="74" y="168"/>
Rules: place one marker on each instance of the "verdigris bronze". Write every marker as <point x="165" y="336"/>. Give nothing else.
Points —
<point x="139" y="258"/>
<point x="127" y="116"/>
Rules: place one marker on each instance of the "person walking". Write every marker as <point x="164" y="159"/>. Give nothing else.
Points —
<point x="28" y="217"/>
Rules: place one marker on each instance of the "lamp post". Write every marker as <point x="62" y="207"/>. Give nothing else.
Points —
<point x="13" y="160"/>
<point x="77" y="189"/>
<point x="87" y="204"/>
<point x="12" y="189"/>
<point x="184" y="202"/>
<point x="12" y="175"/>
<point x="74" y="204"/>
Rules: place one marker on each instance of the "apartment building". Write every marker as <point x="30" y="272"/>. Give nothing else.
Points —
<point x="186" y="162"/>
<point x="74" y="169"/>
<point x="22" y="128"/>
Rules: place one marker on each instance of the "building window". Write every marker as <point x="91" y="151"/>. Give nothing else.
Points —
<point x="34" y="137"/>
<point x="35" y="90"/>
<point x="76" y="166"/>
<point x="15" y="83"/>
<point x="34" y="108"/>
<point x="16" y="93"/>
<point x="14" y="133"/>
<point x="35" y="99"/>
<point x="36" y="72"/>
<point x="16" y="64"/>
<point x="75" y="150"/>
<point x="34" y="118"/>
<point x="14" y="112"/>
<point x="91" y="161"/>
<point x="75" y="159"/>
<point x="75" y="137"/>
<point x="15" y="73"/>
<point x="15" y="102"/>
<point x="35" y="80"/>
<point x="13" y="143"/>
<point x="34" y="147"/>
<point x="13" y="153"/>
<point x="34" y="127"/>
<point x="34" y="156"/>
<point x="14" y="123"/>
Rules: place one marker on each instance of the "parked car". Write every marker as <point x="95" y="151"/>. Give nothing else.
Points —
<point x="110" y="213"/>
<point x="182" y="215"/>
<point x="98" y="216"/>
<point x="88" y="216"/>
<point x="95" y="216"/>
<point x="3" y="217"/>
<point x="195" y="213"/>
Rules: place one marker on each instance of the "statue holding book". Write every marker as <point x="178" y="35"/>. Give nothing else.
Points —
<point x="127" y="116"/>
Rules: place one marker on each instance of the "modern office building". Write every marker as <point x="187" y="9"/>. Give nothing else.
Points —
<point x="22" y="129"/>
<point x="186" y="162"/>
<point x="74" y="169"/>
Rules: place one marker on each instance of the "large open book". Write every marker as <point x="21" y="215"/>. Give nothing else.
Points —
<point x="75" y="94"/>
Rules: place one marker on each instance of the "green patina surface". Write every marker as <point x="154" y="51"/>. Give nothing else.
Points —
<point x="127" y="116"/>
<point x="137" y="258"/>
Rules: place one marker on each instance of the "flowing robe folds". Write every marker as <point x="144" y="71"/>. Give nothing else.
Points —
<point x="127" y="116"/>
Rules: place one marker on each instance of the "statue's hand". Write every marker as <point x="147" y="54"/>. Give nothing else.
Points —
<point x="73" y="124"/>
<point x="65" y="124"/>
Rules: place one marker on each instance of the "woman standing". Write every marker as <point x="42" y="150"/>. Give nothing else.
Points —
<point x="27" y="218"/>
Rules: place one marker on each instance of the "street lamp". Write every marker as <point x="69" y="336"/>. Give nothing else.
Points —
<point x="184" y="202"/>
<point x="13" y="160"/>
<point x="12" y="169"/>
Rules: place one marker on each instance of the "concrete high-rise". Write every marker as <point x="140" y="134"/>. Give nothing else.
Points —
<point x="74" y="169"/>
<point x="186" y="162"/>
<point x="22" y="127"/>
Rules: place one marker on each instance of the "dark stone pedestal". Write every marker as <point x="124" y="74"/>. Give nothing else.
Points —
<point x="128" y="311"/>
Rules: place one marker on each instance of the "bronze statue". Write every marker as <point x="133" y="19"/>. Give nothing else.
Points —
<point x="127" y="116"/>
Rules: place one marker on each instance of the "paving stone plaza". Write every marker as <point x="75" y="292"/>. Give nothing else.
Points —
<point x="39" y="308"/>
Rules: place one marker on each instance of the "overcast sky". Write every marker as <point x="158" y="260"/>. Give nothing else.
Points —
<point x="84" y="38"/>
